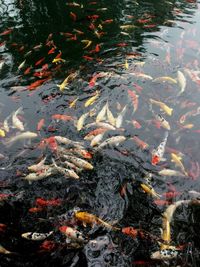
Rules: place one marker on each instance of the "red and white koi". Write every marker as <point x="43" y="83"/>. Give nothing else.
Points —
<point x="157" y="154"/>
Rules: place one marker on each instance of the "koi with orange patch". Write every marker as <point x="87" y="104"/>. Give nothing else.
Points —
<point x="157" y="154"/>
<point x="134" y="99"/>
<point x="88" y="218"/>
<point x="37" y="83"/>
<point x="62" y="117"/>
<point x="81" y="152"/>
<point x="40" y="124"/>
<point x="88" y="58"/>
<point x="140" y="142"/>
<point x="94" y="133"/>
<point x="52" y="51"/>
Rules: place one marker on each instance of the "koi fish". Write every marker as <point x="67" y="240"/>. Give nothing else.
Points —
<point x="165" y="79"/>
<point x="40" y="124"/>
<point x="66" y="172"/>
<point x="163" y="122"/>
<point x="94" y="133"/>
<point x="130" y="231"/>
<point x="58" y="60"/>
<point x="66" y="81"/>
<point x="134" y="99"/>
<point x="87" y="218"/>
<point x="36" y="236"/>
<point x="115" y="140"/>
<point x="39" y="176"/>
<point x="19" y="137"/>
<point x="140" y="142"/>
<point x="166" y="233"/>
<point x="16" y="122"/>
<point x="37" y="83"/>
<point x="169" y="172"/>
<point x="163" y="106"/>
<point x="157" y="154"/>
<point x="22" y="65"/>
<point x="87" y="42"/>
<point x="81" y="121"/>
<point x="92" y="99"/>
<point x="73" y="234"/>
<point x="165" y="254"/>
<point x="79" y="162"/>
<point x="110" y="117"/>
<point x="37" y="167"/>
<point x="81" y="152"/>
<point x="66" y="141"/>
<point x="97" y="139"/>
<point x="149" y="190"/>
<point x="127" y="27"/>
<point x="177" y="160"/>
<point x="102" y="114"/>
<point x="46" y="203"/>
<point x="2" y="133"/>
<point x="62" y="117"/>
<point x="181" y="81"/>
<point x="4" y="250"/>
<point x="101" y="124"/>
<point x="120" y="117"/>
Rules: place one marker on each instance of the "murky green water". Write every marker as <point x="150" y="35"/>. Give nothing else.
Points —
<point x="141" y="61"/>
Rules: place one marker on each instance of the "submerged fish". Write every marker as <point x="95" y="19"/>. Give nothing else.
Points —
<point x="16" y="122"/>
<point x="101" y="116"/>
<point x="149" y="190"/>
<point x="87" y="218"/>
<point x="181" y="81"/>
<point x="165" y="79"/>
<point x="163" y="106"/>
<point x="81" y="121"/>
<point x="36" y="236"/>
<point x="157" y="154"/>
<point x="169" y="172"/>
<point x="21" y="136"/>
<point x="73" y="234"/>
<point x="177" y="160"/>
<point x="120" y="117"/>
<point x="79" y="162"/>
<point x="115" y="140"/>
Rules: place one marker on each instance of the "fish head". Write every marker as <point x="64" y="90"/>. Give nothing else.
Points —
<point x="155" y="159"/>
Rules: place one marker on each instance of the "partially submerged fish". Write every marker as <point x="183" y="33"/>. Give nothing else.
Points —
<point x="16" y="122"/>
<point x="181" y="81"/>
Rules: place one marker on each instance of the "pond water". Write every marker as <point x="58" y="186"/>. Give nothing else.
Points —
<point x="129" y="69"/>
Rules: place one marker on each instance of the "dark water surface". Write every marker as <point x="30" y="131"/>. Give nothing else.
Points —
<point x="124" y="46"/>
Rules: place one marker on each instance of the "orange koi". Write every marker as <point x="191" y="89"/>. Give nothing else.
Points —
<point x="52" y="50"/>
<point x="88" y="58"/>
<point x="35" y="209"/>
<point x="47" y="245"/>
<point x="36" y="84"/>
<point x="62" y="117"/>
<point x="107" y="21"/>
<point x="139" y="142"/>
<point x="46" y="203"/>
<point x="134" y="99"/>
<point x="162" y="202"/>
<point x="27" y="71"/>
<point x="130" y="231"/>
<point x="138" y="88"/>
<point x="93" y="17"/>
<point x="39" y="61"/>
<point x="6" y="32"/>
<point x="40" y="124"/>
<point x="73" y="16"/>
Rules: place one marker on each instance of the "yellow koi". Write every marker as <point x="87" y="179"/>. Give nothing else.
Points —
<point x="166" y="233"/>
<point x="57" y="60"/>
<point x="127" y="27"/>
<point x="165" y="79"/>
<point x="87" y="42"/>
<point x="126" y="65"/>
<point x="73" y="103"/>
<point x="163" y="106"/>
<point x="87" y="218"/>
<point x="92" y="99"/>
<point x="177" y="160"/>
<point x="81" y="121"/>
<point x="149" y="190"/>
<point x="2" y="133"/>
<point x="64" y="84"/>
